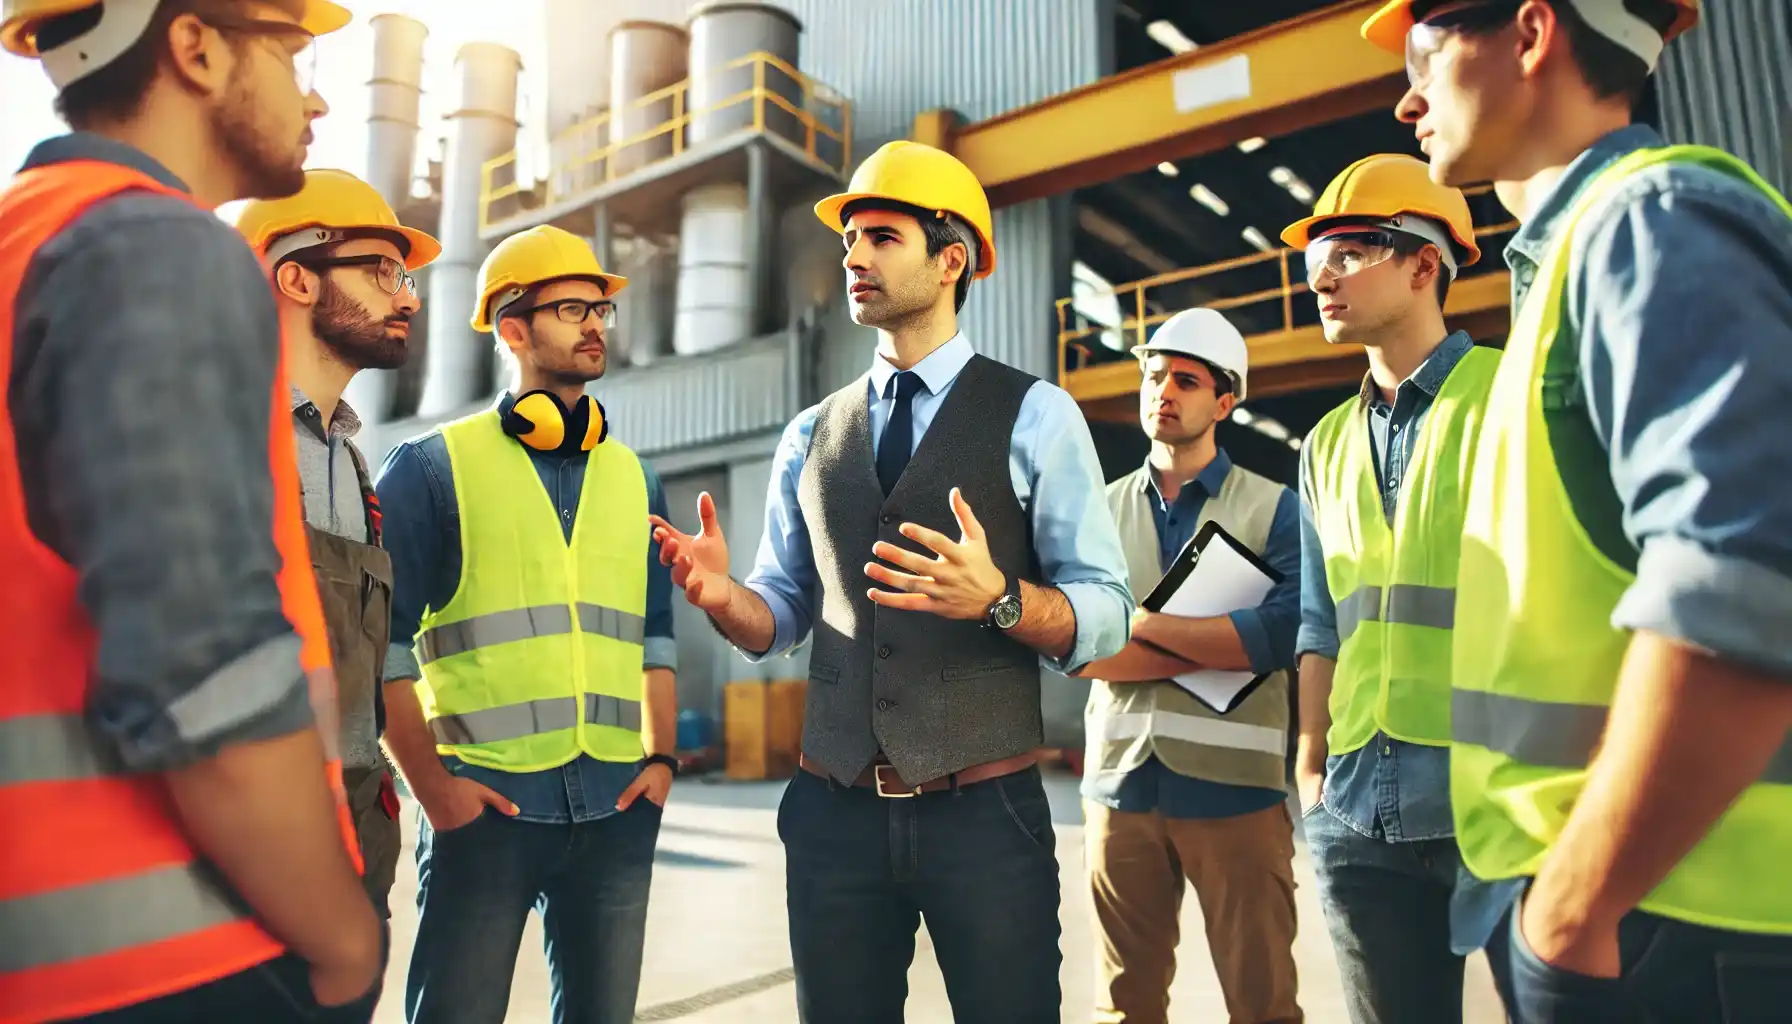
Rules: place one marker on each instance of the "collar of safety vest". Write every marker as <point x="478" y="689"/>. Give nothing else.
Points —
<point x="1533" y="238"/>
<point x="1431" y="374"/>
<point x="88" y="146"/>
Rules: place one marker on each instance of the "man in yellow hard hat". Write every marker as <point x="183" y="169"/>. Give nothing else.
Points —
<point x="531" y="700"/>
<point x="177" y="842"/>
<point x="1381" y="478"/>
<point x="930" y="620"/>
<point x="1621" y="759"/>
<point x="341" y="266"/>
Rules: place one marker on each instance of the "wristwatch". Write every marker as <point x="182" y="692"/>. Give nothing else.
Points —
<point x="668" y="760"/>
<point x="1004" y="612"/>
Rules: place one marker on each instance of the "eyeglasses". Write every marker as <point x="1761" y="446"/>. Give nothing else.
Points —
<point x="303" y="60"/>
<point x="1426" y="39"/>
<point x="574" y="311"/>
<point x="388" y="273"/>
<point x="1342" y="255"/>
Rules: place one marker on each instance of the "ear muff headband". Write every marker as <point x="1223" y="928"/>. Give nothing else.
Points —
<point x="539" y="420"/>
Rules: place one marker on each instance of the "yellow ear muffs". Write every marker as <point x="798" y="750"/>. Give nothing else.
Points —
<point x="539" y="420"/>
<point x="597" y="424"/>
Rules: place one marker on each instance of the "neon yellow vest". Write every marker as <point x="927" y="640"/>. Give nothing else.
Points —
<point x="1537" y="656"/>
<point x="537" y="657"/>
<point x="1395" y="586"/>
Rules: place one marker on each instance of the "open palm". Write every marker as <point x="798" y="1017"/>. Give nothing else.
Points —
<point x="699" y="561"/>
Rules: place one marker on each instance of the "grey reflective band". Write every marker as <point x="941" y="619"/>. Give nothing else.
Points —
<point x="533" y="717"/>
<point x="1409" y="604"/>
<point x="52" y="748"/>
<point x="91" y="920"/>
<point x="1549" y="734"/>
<point x="505" y="627"/>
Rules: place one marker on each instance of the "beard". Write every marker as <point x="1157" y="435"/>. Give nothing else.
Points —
<point x="354" y="336"/>
<point x="268" y="168"/>
<point x="565" y="366"/>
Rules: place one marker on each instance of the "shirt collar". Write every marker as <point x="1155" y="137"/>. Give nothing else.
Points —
<point x="346" y="422"/>
<point x="88" y="146"/>
<point x="1210" y="480"/>
<point x="1532" y="239"/>
<point x="938" y="369"/>
<point x="1432" y="373"/>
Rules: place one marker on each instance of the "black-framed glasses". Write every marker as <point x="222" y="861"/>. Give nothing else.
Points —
<point x="1426" y="39"/>
<point x="388" y="273"/>
<point x="574" y="311"/>
<point x="303" y="59"/>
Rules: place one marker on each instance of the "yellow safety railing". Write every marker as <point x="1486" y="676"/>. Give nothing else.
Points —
<point x="1134" y="303"/>
<point x="582" y="158"/>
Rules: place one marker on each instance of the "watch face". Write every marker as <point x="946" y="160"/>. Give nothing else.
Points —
<point x="1007" y="612"/>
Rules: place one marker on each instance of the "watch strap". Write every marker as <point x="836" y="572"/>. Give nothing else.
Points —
<point x="666" y="759"/>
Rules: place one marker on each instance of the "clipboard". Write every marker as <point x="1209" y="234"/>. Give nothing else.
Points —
<point x="1227" y="576"/>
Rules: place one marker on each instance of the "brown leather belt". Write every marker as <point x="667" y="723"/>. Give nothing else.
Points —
<point x="883" y="777"/>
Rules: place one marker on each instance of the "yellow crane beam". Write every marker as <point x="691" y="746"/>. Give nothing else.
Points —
<point x="1297" y="73"/>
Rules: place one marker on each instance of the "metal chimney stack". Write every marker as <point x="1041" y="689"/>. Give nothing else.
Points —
<point x="482" y="126"/>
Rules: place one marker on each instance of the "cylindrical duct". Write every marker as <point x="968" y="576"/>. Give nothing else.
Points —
<point x="395" y="97"/>
<point x="714" y="288"/>
<point x="645" y="57"/>
<point x="644" y="313"/>
<point x="482" y="126"/>
<point x="722" y="32"/>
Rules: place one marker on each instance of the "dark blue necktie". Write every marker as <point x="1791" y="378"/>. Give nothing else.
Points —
<point x="897" y="444"/>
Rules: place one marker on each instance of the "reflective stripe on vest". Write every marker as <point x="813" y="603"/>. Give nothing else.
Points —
<point x="1537" y="659"/>
<point x="538" y="656"/>
<point x="1394" y="584"/>
<point x="494" y="628"/>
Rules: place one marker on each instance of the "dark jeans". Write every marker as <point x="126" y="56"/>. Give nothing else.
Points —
<point x="1672" y="972"/>
<point x="1387" y="906"/>
<point x="476" y="885"/>
<point x="978" y="864"/>
<point x="276" y="992"/>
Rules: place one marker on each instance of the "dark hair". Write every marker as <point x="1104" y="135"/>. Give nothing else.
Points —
<point x="116" y="91"/>
<point x="934" y="231"/>
<point x="1222" y="381"/>
<point x="1610" y="70"/>
<point x="1406" y="245"/>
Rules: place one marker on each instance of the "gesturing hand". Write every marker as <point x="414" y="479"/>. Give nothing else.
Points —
<point x="699" y="563"/>
<point x="961" y="582"/>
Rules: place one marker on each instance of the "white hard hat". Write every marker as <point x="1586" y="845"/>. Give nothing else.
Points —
<point x="1203" y="334"/>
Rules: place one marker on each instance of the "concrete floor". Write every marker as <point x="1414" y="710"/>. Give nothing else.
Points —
<point x="717" y="951"/>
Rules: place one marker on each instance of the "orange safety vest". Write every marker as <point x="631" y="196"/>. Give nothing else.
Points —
<point x="104" y="902"/>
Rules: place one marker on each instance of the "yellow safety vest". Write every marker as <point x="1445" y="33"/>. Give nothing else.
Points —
<point x="1537" y="656"/>
<point x="1395" y="586"/>
<point x="537" y="657"/>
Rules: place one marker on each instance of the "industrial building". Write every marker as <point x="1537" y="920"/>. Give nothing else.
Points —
<point x="1143" y="155"/>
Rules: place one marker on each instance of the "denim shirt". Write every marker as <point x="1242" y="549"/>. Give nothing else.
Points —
<point x="421" y="528"/>
<point x="1056" y="477"/>
<point x="1387" y="789"/>
<point x="1266" y="631"/>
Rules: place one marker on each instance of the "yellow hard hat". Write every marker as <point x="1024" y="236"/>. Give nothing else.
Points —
<point x="1387" y="186"/>
<point x="919" y="175"/>
<point x="331" y="205"/>
<point x="532" y="257"/>
<point x="1388" y="26"/>
<point x="121" y="23"/>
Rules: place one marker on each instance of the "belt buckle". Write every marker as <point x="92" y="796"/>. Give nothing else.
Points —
<point x="896" y="793"/>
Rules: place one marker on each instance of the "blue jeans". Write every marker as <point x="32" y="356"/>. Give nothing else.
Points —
<point x="1671" y="972"/>
<point x="1387" y="907"/>
<point x="978" y="864"/>
<point x="475" y="887"/>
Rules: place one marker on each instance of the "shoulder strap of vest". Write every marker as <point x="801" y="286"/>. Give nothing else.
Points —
<point x="370" y="499"/>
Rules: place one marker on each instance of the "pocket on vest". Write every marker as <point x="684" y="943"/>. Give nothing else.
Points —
<point x="974" y="670"/>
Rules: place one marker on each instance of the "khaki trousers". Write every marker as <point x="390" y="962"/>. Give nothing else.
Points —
<point x="1242" y="871"/>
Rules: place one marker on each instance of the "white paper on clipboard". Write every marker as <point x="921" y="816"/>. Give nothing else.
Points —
<point x="1222" y="581"/>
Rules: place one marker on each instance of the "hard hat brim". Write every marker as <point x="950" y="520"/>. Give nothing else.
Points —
<point x="612" y="284"/>
<point x="323" y="17"/>
<point x="830" y="211"/>
<point x="423" y="247"/>
<point x="19" y="37"/>
<point x="1299" y="234"/>
<point x="1387" y="27"/>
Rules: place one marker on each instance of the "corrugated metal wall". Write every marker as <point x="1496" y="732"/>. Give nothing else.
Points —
<point x="1726" y="84"/>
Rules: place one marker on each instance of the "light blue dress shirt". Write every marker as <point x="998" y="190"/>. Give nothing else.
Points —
<point x="1056" y="477"/>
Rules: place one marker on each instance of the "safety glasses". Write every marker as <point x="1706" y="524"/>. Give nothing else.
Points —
<point x="1427" y="38"/>
<point x="1344" y="254"/>
<point x="296" y="45"/>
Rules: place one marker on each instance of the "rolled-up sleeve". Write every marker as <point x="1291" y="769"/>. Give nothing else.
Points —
<point x="1268" y="631"/>
<point x="1318" y="613"/>
<point x="1074" y="536"/>
<point x="412" y="534"/>
<point x="661" y="649"/>
<point x="784" y="571"/>
<point x="1686" y="323"/>
<point x="143" y="408"/>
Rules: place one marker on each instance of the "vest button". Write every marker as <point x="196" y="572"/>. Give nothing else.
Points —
<point x="885" y="705"/>
<point x="886" y="519"/>
<point x="884" y="651"/>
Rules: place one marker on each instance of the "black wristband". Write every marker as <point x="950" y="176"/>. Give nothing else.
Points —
<point x="668" y="760"/>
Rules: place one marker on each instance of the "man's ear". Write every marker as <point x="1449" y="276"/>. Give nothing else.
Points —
<point x="512" y="334"/>
<point x="1538" y="28"/>
<point x="199" y="55"/>
<point x="954" y="260"/>
<point x="297" y="283"/>
<point x="1426" y="267"/>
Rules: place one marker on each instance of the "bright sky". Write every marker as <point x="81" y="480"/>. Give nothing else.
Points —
<point x="345" y="62"/>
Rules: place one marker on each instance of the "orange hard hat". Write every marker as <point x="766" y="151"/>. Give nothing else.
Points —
<point x="1388" y="26"/>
